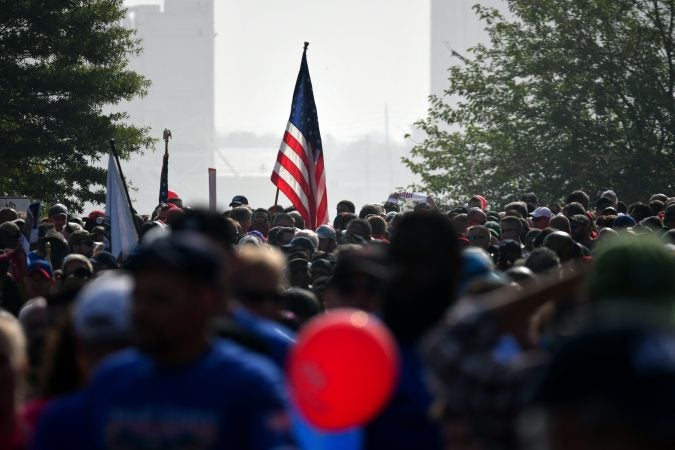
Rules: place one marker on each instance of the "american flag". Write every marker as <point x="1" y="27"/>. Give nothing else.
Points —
<point x="299" y="170"/>
<point x="164" y="180"/>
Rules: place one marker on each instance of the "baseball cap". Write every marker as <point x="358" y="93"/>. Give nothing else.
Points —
<point x="302" y="242"/>
<point x="623" y="221"/>
<point x="542" y="211"/>
<point x="42" y="266"/>
<point x="172" y="195"/>
<point x="102" y="309"/>
<point x="326" y="232"/>
<point x="57" y="210"/>
<point x="239" y="200"/>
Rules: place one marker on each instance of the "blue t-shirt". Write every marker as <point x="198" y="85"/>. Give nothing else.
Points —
<point x="228" y="398"/>
<point x="277" y="338"/>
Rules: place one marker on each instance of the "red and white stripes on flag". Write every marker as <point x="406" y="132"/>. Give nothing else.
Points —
<point x="301" y="178"/>
<point x="299" y="170"/>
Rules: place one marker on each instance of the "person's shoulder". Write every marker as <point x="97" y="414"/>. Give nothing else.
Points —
<point x="124" y="361"/>
<point x="236" y="356"/>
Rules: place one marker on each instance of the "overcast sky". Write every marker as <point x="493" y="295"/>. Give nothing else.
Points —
<point x="363" y="55"/>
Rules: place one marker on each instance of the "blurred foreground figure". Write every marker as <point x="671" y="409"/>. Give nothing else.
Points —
<point x="181" y="388"/>
<point x="612" y="389"/>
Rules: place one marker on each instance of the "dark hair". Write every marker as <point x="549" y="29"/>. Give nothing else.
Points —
<point x="656" y="206"/>
<point x="349" y="205"/>
<point x="639" y="211"/>
<point x="210" y="224"/>
<point x="365" y="228"/>
<point x="425" y="260"/>
<point x="240" y="213"/>
<point x="369" y="209"/>
<point x="542" y="259"/>
<point x="281" y="216"/>
<point x="519" y="207"/>
<point x="578" y="197"/>
<point x="378" y="225"/>
<point x="572" y="209"/>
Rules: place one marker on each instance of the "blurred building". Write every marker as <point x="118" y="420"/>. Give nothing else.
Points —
<point x="454" y="26"/>
<point x="178" y="57"/>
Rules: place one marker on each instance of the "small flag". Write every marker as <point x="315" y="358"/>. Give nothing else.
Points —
<point x="164" y="177"/>
<point x="299" y="170"/>
<point x="122" y="234"/>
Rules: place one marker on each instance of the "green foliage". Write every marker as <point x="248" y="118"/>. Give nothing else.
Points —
<point x="61" y="63"/>
<point x="570" y="94"/>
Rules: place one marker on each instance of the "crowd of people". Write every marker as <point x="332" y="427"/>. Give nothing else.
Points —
<point x="527" y="326"/>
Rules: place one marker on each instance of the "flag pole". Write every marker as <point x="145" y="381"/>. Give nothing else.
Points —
<point x="113" y="149"/>
<point x="276" y="198"/>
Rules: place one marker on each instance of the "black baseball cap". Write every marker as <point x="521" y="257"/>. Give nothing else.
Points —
<point x="239" y="200"/>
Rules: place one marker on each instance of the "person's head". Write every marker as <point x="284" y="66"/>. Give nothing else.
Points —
<point x="257" y="280"/>
<point x="476" y="216"/>
<point x="8" y="215"/>
<point x="179" y="284"/>
<point x="301" y="305"/>
<point x="639" y="211"/>
<point x="563" y="245"/>
<point x="298" y="272"/>
<point x="102" y="318"/>
<point x="479" y="236"/>
<point x="361" y="228"/>
<point x="512" y="228"/>
<point x="581" y="228"/>
<point x="359" y="278"/>
<point x="238" y="200"/>
<point x="283" y="220"/>
<point x="280" y="236"/>
<point x="530" y="200"/>
<point x="39" y="279"/>
<point x="519" y="208"/>
<point x="341" y="221"/>
<point x="327" y="238"/>
<point x="13" y="362"/>
<point x="635" y="268"/>
<point x="57" y="215"/>
<point x="345" y="206"/>
<point x="572" y="209"/>
<point x="460" y="222"/>
<point x="261" y="220"/>
<point x="378" y="226"/>
<point x="669" y="216"/>
<point x="579" y="197"/>
<point x="371" y="209"/>
<point x="76" y="271"/>
<point x="81" y="242"/>
<point x="542" y="259"/>
<point x="541" y="217"/>
<point x="242" y="215"/>
<point x="297" y="218"/>
<point x="104" y="261"/>
<point x="10" y="234"/>
<point x="425" y="263"/>
<point x="611" y="196"/>
<point x="301" y="244"/>
<point x="560" y="223"/>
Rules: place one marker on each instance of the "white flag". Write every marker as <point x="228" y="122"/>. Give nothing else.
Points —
<point x="123" y="235"/>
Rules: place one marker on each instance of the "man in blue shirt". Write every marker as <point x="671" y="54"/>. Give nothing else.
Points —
<point x="181" y="388"/>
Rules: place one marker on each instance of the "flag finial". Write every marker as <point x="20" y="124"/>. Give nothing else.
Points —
<point x="306" y="45"/>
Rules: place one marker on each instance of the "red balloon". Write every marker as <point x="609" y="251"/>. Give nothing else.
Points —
<point x="343" y="369"/>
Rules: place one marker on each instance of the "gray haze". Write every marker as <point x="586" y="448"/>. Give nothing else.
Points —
<point x="223" y="73"/>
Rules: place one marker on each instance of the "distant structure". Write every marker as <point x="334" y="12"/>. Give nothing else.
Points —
<point x="454" y="26"/>
<point x="178" y="57"/>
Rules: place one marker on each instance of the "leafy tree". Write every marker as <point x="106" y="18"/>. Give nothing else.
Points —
<point x="61" y="63"/>
<point x="568" y="94"/>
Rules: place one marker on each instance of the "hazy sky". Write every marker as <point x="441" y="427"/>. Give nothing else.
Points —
<point x="363" y="55"/>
